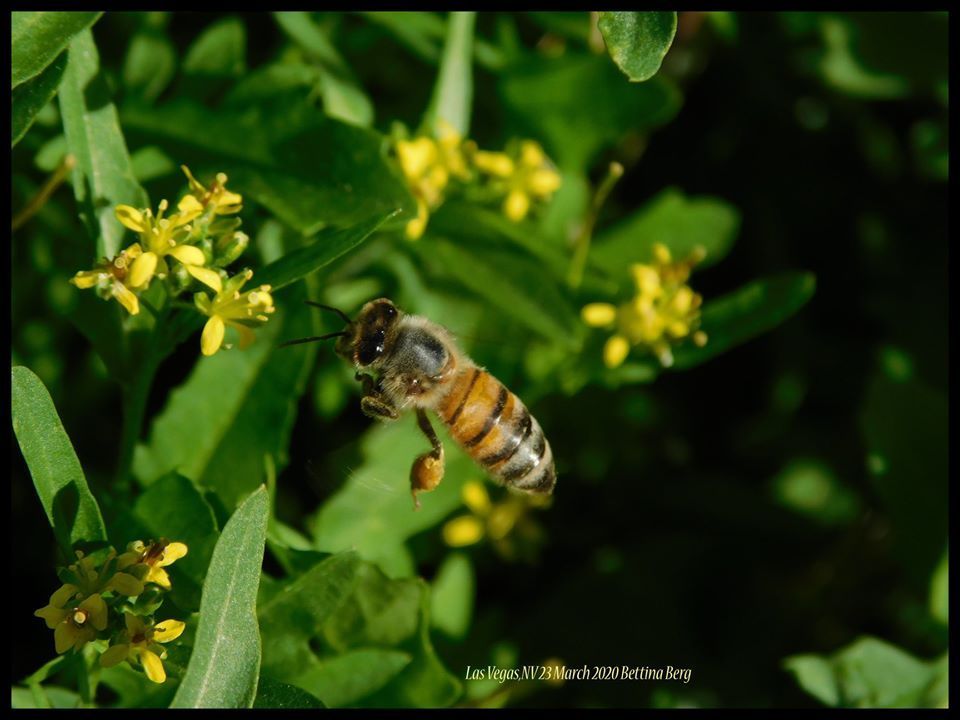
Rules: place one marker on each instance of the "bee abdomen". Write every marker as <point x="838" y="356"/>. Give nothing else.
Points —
<point x="499" y="433"/>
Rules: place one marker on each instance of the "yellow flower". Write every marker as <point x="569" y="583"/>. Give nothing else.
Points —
<point x="156" y="556"/>
<point x="139" y="643"/>
<point x="663" y="310"/>
<point x="89" y="578"/>
<point x="216" y="198"/>
<point x="240" y="311"/>
<point x="162" y="237"/>
<point x="487" y="519"/>
<point x="113" y="278"/>
<point x="526" y="178"/>
<point x="73" y="627"/>
<point x="427" y="165"/>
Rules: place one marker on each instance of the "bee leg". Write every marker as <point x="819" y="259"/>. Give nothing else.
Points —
<point x="373" y="403"/>
<point x="376" y="407"/>
<point x="427" y="470"/>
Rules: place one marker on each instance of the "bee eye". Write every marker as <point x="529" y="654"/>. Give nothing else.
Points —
<point x="370" y="347"/>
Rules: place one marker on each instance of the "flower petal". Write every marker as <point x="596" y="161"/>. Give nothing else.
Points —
<point x="462" y="531"/>
<point x="543" y="182"/>
<point x="475" y="497"/>
<point x="130" y="217"/>
<point x="64" y="636"/>
<point x="494" y="163"/>
<point x="53" y="616"/>
<point x="615" y="351"/>
<point x="416" y="227"/>
<point x="208" y="277"/>
<point x="86" y="278"/>
<point x="125" y="297"/>
<point x="143" y="269"/>
<point x="168" y="630"/>
<point x="61" y="596"/>
<point x="96" y="610"/>
<point x="114" y="654"/>
<point x="189" y="208"/>
<point x="599" y="314"/>
<point x="152" y="666"/>
<point x="187" y="254"/>
<point x="212" y="337"/>
<point x="173" y="552"/>
<point x="517" y="205"/>
<point x="125" y="584"/>
<point x="159" y="576"/>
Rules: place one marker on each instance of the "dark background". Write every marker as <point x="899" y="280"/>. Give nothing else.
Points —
<point x="669" y="542"/>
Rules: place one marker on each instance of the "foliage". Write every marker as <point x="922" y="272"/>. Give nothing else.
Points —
<point x="705" y="249"/>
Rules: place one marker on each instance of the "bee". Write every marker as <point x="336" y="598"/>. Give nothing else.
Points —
<point x="408" y="362"/>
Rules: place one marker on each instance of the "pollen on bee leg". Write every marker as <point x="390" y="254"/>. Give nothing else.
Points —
<point x="425" y="474"/>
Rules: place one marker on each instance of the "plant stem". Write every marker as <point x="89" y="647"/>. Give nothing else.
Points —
<point x="581" y="247"/>
<point x="44" y="193"/>
<point x="136" y="395"/>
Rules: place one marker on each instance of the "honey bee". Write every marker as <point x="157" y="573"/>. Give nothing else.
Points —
<point x="407" y="361"/>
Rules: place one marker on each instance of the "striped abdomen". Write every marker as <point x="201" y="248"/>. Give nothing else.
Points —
<point x="499" y="433"/>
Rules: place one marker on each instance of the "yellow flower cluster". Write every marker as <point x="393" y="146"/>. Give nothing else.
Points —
<point x="663" y="310"/>
<point x="97" y="596"/>
<point x="498" y="522"/>
<point x="522" y="175"/>
<point x="194" y="243"/>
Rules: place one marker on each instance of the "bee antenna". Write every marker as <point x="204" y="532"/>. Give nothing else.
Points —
<point x="341" y="313"/>
<point x="299" y="341"/>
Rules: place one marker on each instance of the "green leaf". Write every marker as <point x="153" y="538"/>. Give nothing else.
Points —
<point x="289" y="619"/>
<point x="347" y="678"/>
<point x="235" y="408"/>
<point x="673" y="219"/>
<point x="309" y="170"/>
<point x="371" y="631"/>
<point x="425" y="682"/>
<point x="381" y="486"/>
<point x="638" y="41"/>
<point x="577" y="105"/>
<point x="219" y="51"/>
<point x="225" y="664"/>
<point x="343" y="97"/>
<point x="150" y="62"/>
<point x="452" y="595"/>
<point x="868" y="673"/>
<point x="173" y="508"/>
<point x="940" y="591"/>
<point x="325" y="248"/>
<point x="503" y="279"/>
<point x="32" y="96"/>
<point x="281" y="696"/>
<point x="103" y="176"/>
<point x="453" y="92"/>
<point x="57" y="475"/>
<point x="36" y="38"/>
<point x="734" y="318"/>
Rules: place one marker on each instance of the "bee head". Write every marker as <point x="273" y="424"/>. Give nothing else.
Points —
<point x="367" y="337"/>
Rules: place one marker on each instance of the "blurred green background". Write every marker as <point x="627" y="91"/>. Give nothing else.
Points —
<point x="784" y="499"/>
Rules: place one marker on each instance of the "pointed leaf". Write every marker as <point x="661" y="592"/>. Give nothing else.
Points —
<point x="32" y="96"/>
<point x="638" y="41"/>
<point x="57" y="476"/>
<point x="225" y="665"/>
<point x="325" y="248"/>
<point x="103" y="176"/>
<point x="745" y="313"/>
<point x="36" y="38"/>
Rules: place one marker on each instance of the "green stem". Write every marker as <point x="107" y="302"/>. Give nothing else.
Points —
<point x="581" y="248"/>
<point x="136" y="395"/>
